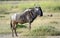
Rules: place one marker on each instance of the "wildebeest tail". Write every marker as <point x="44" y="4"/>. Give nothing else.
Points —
<point x="11" y="23"/>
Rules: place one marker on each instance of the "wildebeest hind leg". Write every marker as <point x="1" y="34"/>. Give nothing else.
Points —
<point x="12" y="28"/>
<point x="12" y="33"/>
<point x="15" y="30"/>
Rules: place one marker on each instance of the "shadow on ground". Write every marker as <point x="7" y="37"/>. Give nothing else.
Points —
<point x="21" y="26"/>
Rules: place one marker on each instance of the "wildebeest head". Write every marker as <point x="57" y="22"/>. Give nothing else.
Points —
<point x="38" y="10"/>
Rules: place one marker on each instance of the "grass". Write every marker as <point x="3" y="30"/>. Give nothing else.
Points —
<point x="4" y="29"/>
<point x="45" y="5"/>
<point x="44" y="31"/>
<point x="21" y="26"/>
<point x="2" y="16"/>
<point x="41" y="26"/>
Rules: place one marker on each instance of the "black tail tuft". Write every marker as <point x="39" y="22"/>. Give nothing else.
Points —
<point x="11" y="24"/>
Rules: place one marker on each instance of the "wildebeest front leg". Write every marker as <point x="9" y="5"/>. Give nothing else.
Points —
<point x="29" y="26"/>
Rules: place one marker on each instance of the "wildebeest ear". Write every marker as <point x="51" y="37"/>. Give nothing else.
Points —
<point x="36" y="5"/>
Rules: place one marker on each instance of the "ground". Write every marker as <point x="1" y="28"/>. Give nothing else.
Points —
<point x="9" y="36"/>
<point x="54" y="21"/>
<point x="42" y="27"/>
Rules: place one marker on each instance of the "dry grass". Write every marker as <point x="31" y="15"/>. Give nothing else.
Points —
<point x="46" y="20"/>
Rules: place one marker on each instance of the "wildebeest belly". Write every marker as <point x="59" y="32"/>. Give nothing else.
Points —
<point x="21" y="19"/>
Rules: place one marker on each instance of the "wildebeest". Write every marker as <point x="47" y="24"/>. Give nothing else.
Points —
<point x="38" y="10"/>
<point x="27" y="17"/>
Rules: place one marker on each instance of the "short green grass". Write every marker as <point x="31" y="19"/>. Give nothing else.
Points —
<point x="45" y="5"/>
<point x="45" y="25"/>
